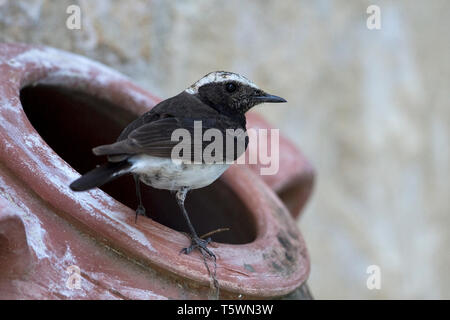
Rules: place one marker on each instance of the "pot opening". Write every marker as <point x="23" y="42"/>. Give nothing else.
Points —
<point x="73" y="122"/>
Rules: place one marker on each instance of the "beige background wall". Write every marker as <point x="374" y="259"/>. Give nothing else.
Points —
<point x="370" y="109"/>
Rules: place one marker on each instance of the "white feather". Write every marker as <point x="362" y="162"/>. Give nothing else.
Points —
<point x="163" y="173"/>
<point x="219" y="76"/>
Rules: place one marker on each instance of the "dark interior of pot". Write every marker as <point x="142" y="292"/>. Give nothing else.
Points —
<point x="73" y="122"/>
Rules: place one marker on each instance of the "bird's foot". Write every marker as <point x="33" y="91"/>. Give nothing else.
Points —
<point x="201" y="244"/>
<point x="140" y="211"/>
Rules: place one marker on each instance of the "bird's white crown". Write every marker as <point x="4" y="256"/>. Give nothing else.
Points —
<point x="219" y="76"/>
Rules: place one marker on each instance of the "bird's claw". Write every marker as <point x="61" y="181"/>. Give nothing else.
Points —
<point x="201" y="244"/>
<point x="140" y="211"/>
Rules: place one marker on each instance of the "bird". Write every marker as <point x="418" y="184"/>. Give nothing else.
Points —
<point x="218" y="101"/>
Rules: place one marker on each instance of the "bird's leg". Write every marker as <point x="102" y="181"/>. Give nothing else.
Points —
<point x="196" y="241"/>
<point x="140" y="209"/>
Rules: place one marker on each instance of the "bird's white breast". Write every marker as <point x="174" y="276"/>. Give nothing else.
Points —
<point x="163" y="173"/>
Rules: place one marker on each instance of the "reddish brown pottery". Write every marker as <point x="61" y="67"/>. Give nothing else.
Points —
<point x="294" y="180"/>
<point x="54" y="107"/>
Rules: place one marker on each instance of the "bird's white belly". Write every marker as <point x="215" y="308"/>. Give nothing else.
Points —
<point x="163" y="173"/>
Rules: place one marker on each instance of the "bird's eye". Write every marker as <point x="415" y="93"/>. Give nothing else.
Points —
<point x="230" y="87"/>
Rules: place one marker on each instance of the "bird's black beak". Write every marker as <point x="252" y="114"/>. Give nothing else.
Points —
<point x="265" y="97"/>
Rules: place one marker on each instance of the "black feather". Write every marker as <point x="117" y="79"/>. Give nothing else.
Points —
<point x="155" y="138"/>
<point x="101" y="175"/>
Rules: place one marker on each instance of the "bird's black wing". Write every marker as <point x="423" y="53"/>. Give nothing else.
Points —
<point x="151" y="133"/>
<point x="157" y="138"/>
<point x="183" y="105"/>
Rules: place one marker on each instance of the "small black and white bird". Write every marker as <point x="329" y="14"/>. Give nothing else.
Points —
<point x="144" y="148"/>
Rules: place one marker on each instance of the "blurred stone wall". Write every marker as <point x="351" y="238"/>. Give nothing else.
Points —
<point x="370" y="109"/>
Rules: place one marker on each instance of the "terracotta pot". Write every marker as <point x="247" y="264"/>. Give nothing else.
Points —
<point x="54" y="107"/>
<point x="294" y="180"/>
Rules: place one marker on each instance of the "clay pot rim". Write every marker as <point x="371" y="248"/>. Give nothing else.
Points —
<point x="111" y="222"/>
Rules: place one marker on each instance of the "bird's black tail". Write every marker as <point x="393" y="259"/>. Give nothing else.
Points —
<point x="101" y="175"/>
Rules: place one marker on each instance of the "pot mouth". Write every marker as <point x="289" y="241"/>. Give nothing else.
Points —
<point x="69" y="121"/>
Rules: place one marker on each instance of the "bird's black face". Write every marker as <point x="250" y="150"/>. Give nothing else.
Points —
<point x="234" y="95"/>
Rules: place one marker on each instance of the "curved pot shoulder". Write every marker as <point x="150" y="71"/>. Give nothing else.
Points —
<point x="51" y="104"/>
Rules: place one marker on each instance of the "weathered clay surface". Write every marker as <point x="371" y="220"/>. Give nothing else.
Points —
<point x="56" y="228"/>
